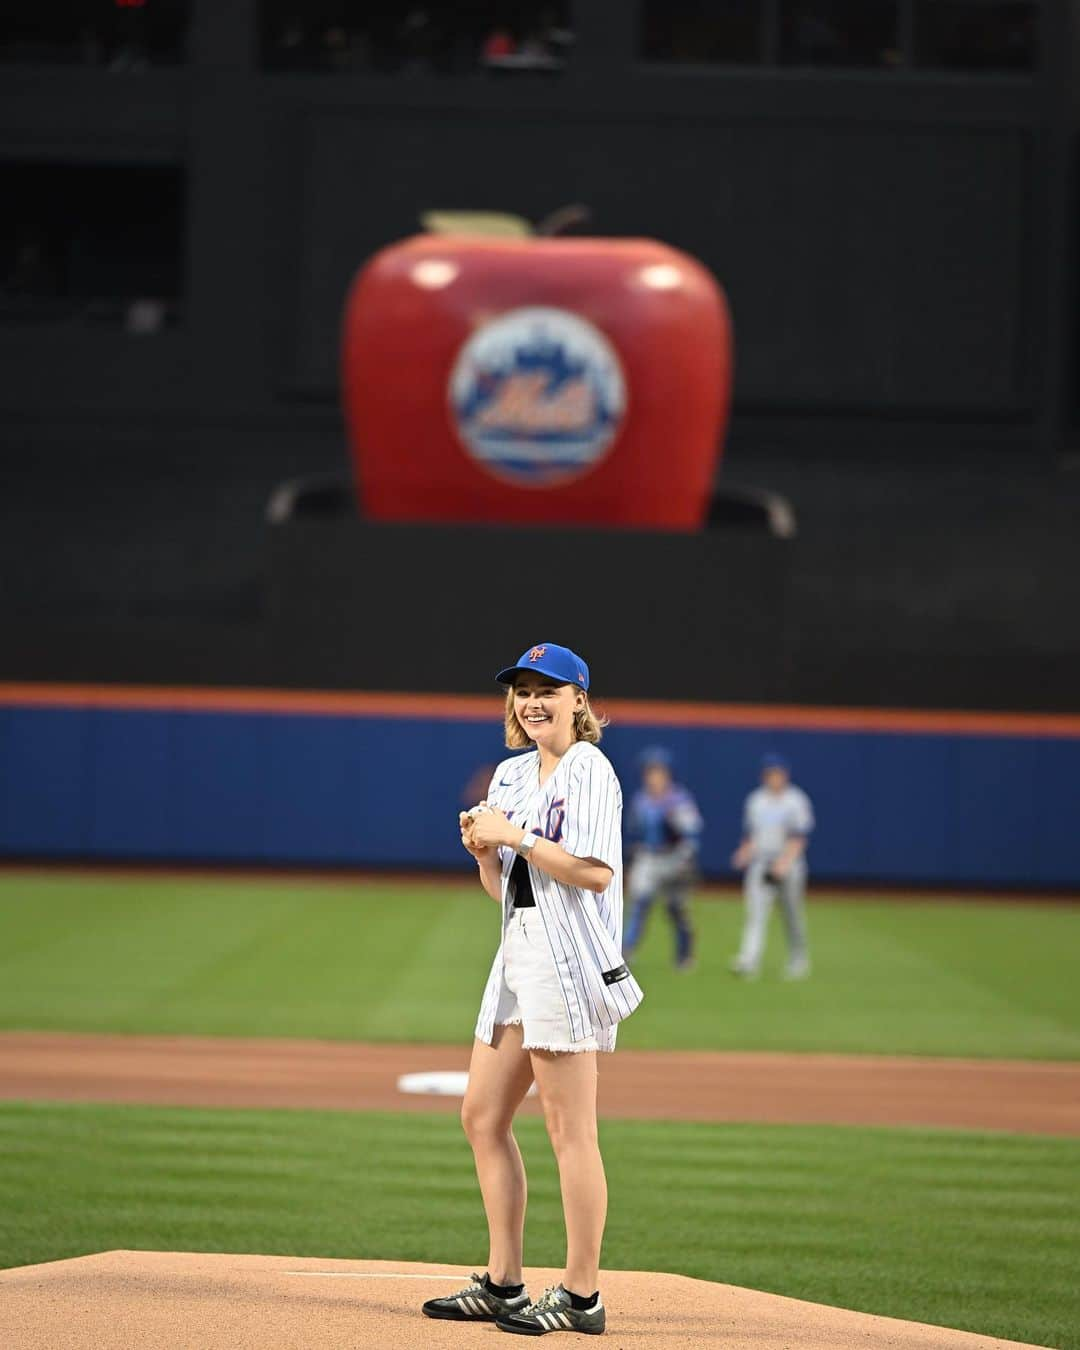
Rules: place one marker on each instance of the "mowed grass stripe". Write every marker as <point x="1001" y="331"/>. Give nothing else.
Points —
<point x="406" y="961"/>
<point x="969" y="1230"/>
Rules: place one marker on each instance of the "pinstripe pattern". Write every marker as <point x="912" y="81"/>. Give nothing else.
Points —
<point x="584" y="930"/>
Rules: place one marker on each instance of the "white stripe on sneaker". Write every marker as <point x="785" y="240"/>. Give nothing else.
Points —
<point x="566" y="1321"/>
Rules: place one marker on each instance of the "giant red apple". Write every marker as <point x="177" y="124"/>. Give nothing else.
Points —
<point x="552" y="381"/>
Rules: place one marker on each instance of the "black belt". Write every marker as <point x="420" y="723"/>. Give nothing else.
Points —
<point x="521" y="891"/>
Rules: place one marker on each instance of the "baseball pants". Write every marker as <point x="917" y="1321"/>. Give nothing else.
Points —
<point x="650" y="877"/>
<point x="758" y="895"/>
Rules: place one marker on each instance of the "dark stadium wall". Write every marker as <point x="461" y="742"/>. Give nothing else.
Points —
<point x="892" y="243"/>
<point x="955" y="603"/>
<point x="897" y="249"/>
<point x="377" y="782"/>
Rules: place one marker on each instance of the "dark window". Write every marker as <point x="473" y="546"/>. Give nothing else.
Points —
<point x="701" y="31"/>
<point x="839" y="33"/>
<point x="390" y="37"/>
<point x="91" y="243"/>
<point x="948" y="34"/>
<point x="116" y="35"/>
<point x="976" y="34"/>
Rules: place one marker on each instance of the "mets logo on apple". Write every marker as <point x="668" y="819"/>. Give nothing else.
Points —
<point x="537" y="396"/>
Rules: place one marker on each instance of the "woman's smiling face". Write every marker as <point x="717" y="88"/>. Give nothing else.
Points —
<point x="546" y="710"/>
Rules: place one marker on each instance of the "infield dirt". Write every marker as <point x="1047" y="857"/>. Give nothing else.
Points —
<point x="1027" y="1097"/>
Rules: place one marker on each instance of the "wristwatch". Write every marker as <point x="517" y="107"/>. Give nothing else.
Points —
<point x="527" y="844"/>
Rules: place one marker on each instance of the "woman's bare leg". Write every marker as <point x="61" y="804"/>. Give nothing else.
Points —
<point x="499" y="1077"/>
<point x="567" y="1086"/>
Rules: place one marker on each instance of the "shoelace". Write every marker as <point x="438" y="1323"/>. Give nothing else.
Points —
<point x="550" y="1298"/>
<point x="477" y="1287"/>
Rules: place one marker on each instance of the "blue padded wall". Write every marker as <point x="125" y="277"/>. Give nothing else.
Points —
<point x="385" y="791"/>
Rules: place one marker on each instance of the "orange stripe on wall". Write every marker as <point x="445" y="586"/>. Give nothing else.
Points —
<point x="312" y="702"/>
<point x="484" y="707"/>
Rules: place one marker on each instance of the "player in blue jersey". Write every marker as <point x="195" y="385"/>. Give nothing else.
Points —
<point x="665" y="827"/>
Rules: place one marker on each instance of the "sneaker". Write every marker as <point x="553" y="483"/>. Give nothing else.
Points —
<point x="798" y="969"/>
<point x="739" y="967"/>
<point x="553" y="1311"/>
<point x="475" y="1303"/>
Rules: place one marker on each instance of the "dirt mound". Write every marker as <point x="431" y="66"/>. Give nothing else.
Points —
<point x="180" y="1301"/>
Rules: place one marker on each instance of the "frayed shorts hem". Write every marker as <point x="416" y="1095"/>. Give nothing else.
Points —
<point x="550" y="1046"/>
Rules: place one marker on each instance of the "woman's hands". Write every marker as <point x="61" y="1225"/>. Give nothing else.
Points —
<point x="466" y="821"/>
<point x="491" y="828"/>
<point x="486" y="827"/>
<point x="483" y="847"/>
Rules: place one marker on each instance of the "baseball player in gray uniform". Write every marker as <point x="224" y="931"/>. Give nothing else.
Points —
<point x="777" y="822"/>
<point x="548" y="844"/>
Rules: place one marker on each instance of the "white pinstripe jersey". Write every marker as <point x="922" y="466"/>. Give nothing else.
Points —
<point x="580" y="808"/>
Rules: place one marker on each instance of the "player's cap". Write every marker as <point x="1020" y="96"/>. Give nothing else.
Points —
<point x="772" y="759"/>
<point x="546" y="658"/>
<point x="655" y="754"/>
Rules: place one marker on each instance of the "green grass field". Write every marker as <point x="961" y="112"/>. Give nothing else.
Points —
<point x="975" y="1231"/>
<point x="398" y="961"/>
<point x="969" y="1230"/>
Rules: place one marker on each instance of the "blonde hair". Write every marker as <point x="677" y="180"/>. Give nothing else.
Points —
<point x="588" y="726"/>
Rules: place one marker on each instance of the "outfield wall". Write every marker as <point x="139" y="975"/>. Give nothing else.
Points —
<point x="371" y="780"/>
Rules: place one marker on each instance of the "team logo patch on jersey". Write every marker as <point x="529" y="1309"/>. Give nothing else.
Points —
<point x="556" y="815"/>
<point x="537" y="396"/>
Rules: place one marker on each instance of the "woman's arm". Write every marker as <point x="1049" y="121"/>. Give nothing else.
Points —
<point x="487" y="858"/>
<point x="490" y="872"/>
<point x="492" y="829"/>
<point x="590" y="874"/>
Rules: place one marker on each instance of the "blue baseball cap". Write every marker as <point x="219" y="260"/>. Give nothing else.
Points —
<point x="547" y="658"/>
<point x="773" y="760"/>
<point x="655" y="754"/>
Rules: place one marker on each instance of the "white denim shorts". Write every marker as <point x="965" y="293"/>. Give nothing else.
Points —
<point x="531" y="995"/>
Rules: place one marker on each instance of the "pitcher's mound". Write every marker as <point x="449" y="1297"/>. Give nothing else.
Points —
<point x="191" y="1301"/>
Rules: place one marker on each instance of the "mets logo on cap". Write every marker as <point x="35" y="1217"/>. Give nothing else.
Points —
<point x="537" y="396"/>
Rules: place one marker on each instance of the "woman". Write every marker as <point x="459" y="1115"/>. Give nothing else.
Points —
<point x="548" y="844"/>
